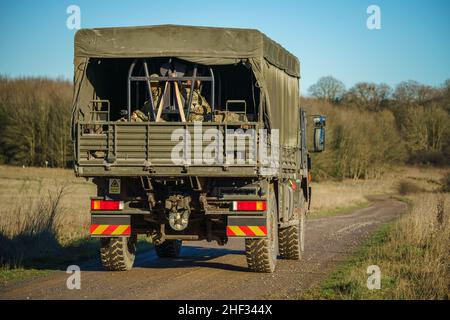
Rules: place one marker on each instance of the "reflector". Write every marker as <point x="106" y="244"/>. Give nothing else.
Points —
<point x="249" y="205"/>
<point x="106" y="205"/>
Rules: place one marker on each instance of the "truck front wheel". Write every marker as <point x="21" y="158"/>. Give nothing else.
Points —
<point x="168" y="249"/>
<point x="118" y="253"/>
<point x="262" y="253"/>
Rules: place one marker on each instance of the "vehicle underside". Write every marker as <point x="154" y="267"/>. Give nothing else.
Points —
<point x="191" y="208"/>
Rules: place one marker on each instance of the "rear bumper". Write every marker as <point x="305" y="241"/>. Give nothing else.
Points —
<point x="246" y="227"/>
<point x="114" y="225"/>
<point x="110" y="226"/>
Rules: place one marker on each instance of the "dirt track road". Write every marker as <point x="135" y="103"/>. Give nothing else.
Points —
<point x="206" y="271"/>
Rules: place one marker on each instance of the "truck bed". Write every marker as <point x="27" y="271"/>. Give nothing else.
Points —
<point x="145" y="148"/>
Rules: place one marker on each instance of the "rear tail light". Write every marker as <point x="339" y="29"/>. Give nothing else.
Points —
<point x="249" y="205"/>
<point x="106" y="205"/>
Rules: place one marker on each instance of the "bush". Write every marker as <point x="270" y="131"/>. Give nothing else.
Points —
<point x="425" y="132"/>
<point x="407" y="187"/>
<point x="446" y="183"/>
<point x="359" y="144"/>
<point x="435" y="158"/>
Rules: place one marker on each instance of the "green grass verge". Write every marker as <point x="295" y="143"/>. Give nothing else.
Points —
<point x="9" y="276"/>
<point x="348" y="281"/>
<point x="339" y="211"/>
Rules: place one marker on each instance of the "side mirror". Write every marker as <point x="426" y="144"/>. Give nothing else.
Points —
<point x="319" y="133"/>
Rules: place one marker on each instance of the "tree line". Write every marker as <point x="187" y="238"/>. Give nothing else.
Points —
<point x="370" y="126"/>
<point x="373" y="126"/>
<point x="34" y="122"/>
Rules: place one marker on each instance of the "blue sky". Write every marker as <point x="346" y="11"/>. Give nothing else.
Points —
<point x="329" y="37"/>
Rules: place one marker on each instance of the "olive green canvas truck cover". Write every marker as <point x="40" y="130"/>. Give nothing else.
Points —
<point x="276" y="70"/>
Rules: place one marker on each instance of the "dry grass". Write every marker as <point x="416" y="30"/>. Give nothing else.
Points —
<point x="419" y="246"/>
<point x="412" y="253"/>
<point x="333" y="195"/>
<point x="30" y="230"/>
<point x="337" y="196"/>
<point x="413" y="257"/>
<point x="24" y="189"/>
<point x="446" y="183"/>
<point x="42" y="210"/>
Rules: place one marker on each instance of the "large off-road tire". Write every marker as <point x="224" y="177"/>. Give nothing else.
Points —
<point x="292" y="238"/>
<point x="169" y="249"/>
<point x="118" y="254"/>
<point x="261" y="253"/>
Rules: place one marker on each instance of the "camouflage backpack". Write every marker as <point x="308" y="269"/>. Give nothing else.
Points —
<point x="199" y="107"/>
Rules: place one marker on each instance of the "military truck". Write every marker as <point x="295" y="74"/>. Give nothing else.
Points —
<point x="240" y="170"/>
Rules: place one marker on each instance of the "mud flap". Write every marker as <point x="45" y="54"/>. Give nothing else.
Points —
<point x="110" y="226"/>
<point x="246" y="227"/>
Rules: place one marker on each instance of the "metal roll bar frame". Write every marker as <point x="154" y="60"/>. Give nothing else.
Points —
<point x="169" y="78"/>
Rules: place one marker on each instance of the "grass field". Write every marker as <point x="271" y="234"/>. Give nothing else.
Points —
<point x="340" y="197"/>
<point x="44" y="221"/>
<point x="44" y="224"/>
<point x="25" y="192"/>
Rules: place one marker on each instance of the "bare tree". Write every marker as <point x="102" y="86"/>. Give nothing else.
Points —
<point x="412" y="92"/>
<point x="446" y="95"/>
<point x="328" y="88"/>
<point x="369" y="96"/>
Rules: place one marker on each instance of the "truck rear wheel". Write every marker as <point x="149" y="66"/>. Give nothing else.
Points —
<point x="261" y="253"/>
<point x="118" y="253"/>
<point x="292" y="239"/>
<point x="168" y="249"/>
